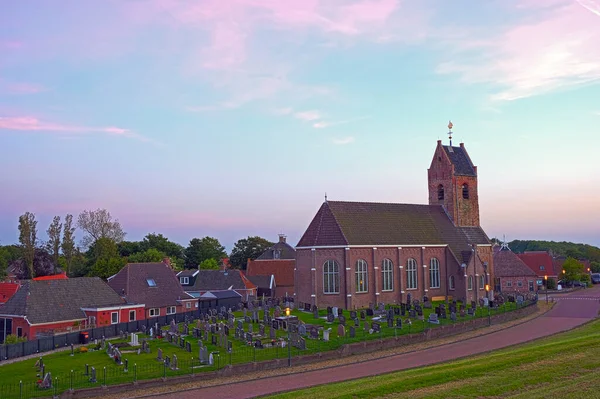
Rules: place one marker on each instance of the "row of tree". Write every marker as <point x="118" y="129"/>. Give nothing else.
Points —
<point x="103" y="250"/>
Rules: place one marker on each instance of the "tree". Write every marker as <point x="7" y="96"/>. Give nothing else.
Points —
<point x="573" y="270"/>
<point x="103" y="248"/>
<point x="105" y="268"/>
<point x="99" y="224"/>
<point x="28" y="239"/>
<point x="209" y="264"/>
<point x="595" y="266"/>
<point x="150" y="255"/>
<point x="3" y="263"/>
<point x="248" y="248"/>
<point x="43" y="265"/>
<point x="128" y="248"/>
<point x="68" y="242"/>
<point x="162" y="243"/>
<point x="54" y="239"/>
<point x="202" y="249"/>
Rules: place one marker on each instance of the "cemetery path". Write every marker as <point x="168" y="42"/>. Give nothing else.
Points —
<point x="570" y="311"/>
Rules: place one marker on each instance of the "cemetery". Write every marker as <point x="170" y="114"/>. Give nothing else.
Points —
<point x="261" y="331"/>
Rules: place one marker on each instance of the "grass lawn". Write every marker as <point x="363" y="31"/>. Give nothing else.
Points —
<point x="565" y="366"/>
<point x="145" y="366"/>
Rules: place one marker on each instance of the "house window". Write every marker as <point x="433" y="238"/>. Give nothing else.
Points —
<point x="277" y="254"/>
<point x="387" y="269"/>
<point x="196" y="304"/>
<point x="465" y="190"/>
<point x="411" y="274"/>
<point x="434" y="273"/>
<point x="171" y="310"/>
<point x="509" y="283"/>
<point x="188" y="305"/>
<point x="481" y="282"/>
<point x="470" y="283"/>
<point x="451" y="282"/>
<point x="132" y="315"/>
<point x="184" y="280"/>
<point x="519" y="283"/>
<point x="151" y="282"/>
<point x="542" y="267"/>
<point x="440" y="192"/>
<point x="531" y="286"/>
<point x="19" y="331"/>
<point x="331" y="277"/>
<point x="361" y="276"/>
<point x="114" y="317"/>
<point x="154" y="312"/>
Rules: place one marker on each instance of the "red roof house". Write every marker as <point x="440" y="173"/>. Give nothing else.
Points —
<point x="540" y="262"/>
<point x="60" y="276"/>
<point x="278" y="261"/>
<point x="512" y="274"/>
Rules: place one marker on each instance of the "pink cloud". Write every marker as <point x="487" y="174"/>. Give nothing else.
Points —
<point x="557" y="49"/>
<point x="11" y="44"/>
<point x="308" y="115"/>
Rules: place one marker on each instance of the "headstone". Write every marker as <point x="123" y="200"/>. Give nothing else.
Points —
<point x="186" y="329"/>
<point x="126" y="368"/>
<point x="134" y="340"/>
<point x="352" y="332"/>
<point x="376" y="327"/>
<point x="370" y="312"/>
<point x="159" y="356"/>
<point x="453" y="316"/>
<point x="314" y="332"/>
<point x="356" y="323"/>
<point x="213" y="339"/>
<point x="174" y="363"/>
<point x="203" y="355"/>
<point x="47" y="381"/>
<point x="412" y="313"/>
<point x="342" y="319"/>
<point x="93" y="375"/>
<point x="326" y="334"/>
<point x="433" y="318"/>
<point x="330" y="318"/>
<point x="341" y="332"/>
<point x="272" y="333"/>
<point x="188" y="347"/>
<point x="334" y="311"/>
<point x="390" y="323"/>
<point x="173" y="327"/>
<point x="398" y="322"/>
<point x="167" y="362"/>
<point x="275" y="324"/>
<point x="302" y="329"/>
<point x="315" y="311"/>
<point x="211" y="359"/>
<point x="363" y="315"/>
<point x="353" y="314"/>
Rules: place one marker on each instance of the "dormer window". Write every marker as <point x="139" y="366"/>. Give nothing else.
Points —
<point x="542" y="267"/>
<point x="440" y="192"/>
<point x="184" y="280"/>
<point x="465" y="190"/>
<point x="277" y="254"/>
<point x="151" y="282"/>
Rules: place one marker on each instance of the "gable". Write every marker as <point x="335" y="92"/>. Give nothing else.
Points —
<point x="324" y="230"/>
<point x="460" y="159"/>
<point x="508" y="264"/>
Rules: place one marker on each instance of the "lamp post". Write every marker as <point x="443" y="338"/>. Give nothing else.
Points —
<point x="546" y="283"/>
<point x="287" y="314"/>
<point x="487" y="293"/>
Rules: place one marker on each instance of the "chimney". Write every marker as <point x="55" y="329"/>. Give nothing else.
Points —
<point x="282" y="237"/>
<point x="167" y="261"/>
<point x="462" y="145"/>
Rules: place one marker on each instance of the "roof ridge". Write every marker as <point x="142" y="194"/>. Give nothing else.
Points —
<point x="383" y="203"/>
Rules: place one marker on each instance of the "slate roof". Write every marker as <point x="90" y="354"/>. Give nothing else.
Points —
<point x="208" y="280"/>
<point x="339" y="223"/>
<point x="283" y="270"/>
<point x="220" y="295"/>
<point x="535" y="259"/>
<point x="461" y="161"/>
<point x="60" y="300"/>
<point x="286" y="251"/>
<point x="132" y="283"/>
<point x="508" y="264"/>
<point x="262" y="281"/>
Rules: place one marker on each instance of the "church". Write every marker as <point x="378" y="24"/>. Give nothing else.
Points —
<point x="354" y="254"/>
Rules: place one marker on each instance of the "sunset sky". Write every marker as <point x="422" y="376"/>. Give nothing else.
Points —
<point x="232" y="118"/>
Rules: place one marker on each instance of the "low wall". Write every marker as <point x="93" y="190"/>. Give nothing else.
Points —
<point x="344" y="351"/>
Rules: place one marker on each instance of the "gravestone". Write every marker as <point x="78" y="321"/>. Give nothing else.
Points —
<point x="330" y="318"/>
<point x="275" y="324"/>
<point x="376" y="327"/>
<point x="159" y="355"/>
<point x="226" y="330"/>
<point x="412" y="313"/>
<point x="396" y="311"/>
<point x="167" y="362"/>
<point x="302" y="329"/>
<point x="342" y="319"/>
<point x="188" y="347"/>
<point x="315" y="311"/>
<point x="203" y="355"/>
<point x="356" y="323"/>
<point x="250" y="329"/>
<point x="326" y="334"/>
<point x="341" y="331"/>
<point x="353" y="314"/>
<point x="93" y="375"/>
<point x="173" y="327"/>
<point x="462" y="313"/>
<point x="398" y="322"/>
<point x="370" y="312"/>
<point x="334" y="311"/>
<point x="126" y="368"/>
<point x="213" y="339"/>
<point x="248" y="337"/>
<point x="390" y="323"/>
<point x="186" y="329"/>
<point x="174" y="363"/>
<point x="363" y="315"/>
<point x="433" y="318"/>
<point x="408" y="299"/>
<point x="453" y="316"/>
<point x="47" y="381"/>
<point x="352" y="332"/>
<point x="211" y="359"/>
<point x="272" y="333"/>
<point x="258" y="344"/>
<point x="314" y="332"/>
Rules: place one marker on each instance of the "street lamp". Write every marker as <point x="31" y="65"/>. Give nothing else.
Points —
<point x="487" y="293"/>
<point x="546" y="283"/>
<point x="287" y="314"/>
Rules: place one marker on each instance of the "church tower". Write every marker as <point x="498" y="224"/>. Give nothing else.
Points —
<point x="452" y="180"/>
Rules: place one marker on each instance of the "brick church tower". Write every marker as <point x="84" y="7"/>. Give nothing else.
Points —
<point x="452" y="180"/>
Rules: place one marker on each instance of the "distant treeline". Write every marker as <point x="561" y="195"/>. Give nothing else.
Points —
<point x="563" y="248"/>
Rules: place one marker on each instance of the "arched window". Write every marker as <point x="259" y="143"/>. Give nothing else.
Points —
<point x="451" y="282"/>
<point x="440" y="192"/>
<point x="481" y="282"/>
<point x="411" y="274"/>
<point x="361" y="276"/>
<point x="434" y="273"/>
<point x="465" y="190"/>
<point x="470" y="284"/>
<point x="331" y="277"/>
<point x="387" y="269"/>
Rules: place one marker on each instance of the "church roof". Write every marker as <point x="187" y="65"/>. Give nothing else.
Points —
<point x="339" y="223"/>
<point x="286" y="251"/>
<point x="508" y="264"/>
<point x="461" y="160"/>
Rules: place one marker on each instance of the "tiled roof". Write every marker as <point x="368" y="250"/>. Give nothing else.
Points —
<point x="187" y="273"/>
<point x="461" y="161"/>
<point x="535" y="260"/>
<point x="508" y="264"/>
<point x="286" y="251"/>
<point x="262" y="281"/>
<point x="208" y="280"/>
<point x="61" y="276"/>
<point x="7" y="290"/>
<point x="283" y="270"/>
<point x="60" y="300"/>
<point x="132" y="283"/>
<point x="339" y="223"/>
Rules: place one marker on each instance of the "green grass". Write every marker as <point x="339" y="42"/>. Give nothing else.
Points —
<point x="564" y="365"/>
<point x="145" y="366"/>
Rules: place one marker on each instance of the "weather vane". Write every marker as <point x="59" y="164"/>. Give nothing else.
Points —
<point x="450" y="125"/>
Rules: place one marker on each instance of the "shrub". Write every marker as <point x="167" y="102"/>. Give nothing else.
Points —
<point x="13" y="339"/>
<point x="551" y="284"/>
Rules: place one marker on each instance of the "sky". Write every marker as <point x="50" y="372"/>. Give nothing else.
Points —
<point x="234" y="118"/>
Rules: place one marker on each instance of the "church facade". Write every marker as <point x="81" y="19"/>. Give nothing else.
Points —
<point x="354" y="254"/>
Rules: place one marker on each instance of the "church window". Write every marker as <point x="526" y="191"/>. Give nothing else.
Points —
<point x="361" y="276"/>
<point x="481" y="282"/>
<point x="451" y="282"/>
<point x="470" y="283"/>
<point x="387" y="268"/>
<point x="465" y="190"/>
<point x="331" y="277"/>
<point x="440" y="192"/>
<point x="434" y="273"/>
<point x="411" y="274"/>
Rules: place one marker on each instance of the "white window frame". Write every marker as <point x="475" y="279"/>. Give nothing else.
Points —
<point x="434" y="273"/>
<point x="154" y="312"/>
<point x="481" y="281"/>
<point x="387" y="272"/>
<point x="197" y="304"/>
<point x="470" y="283"/>
<point x="451" y="283"/>
<point x="112" y="318"/>
<point x="188" y="305"/>
<point x="171" y="310"/>
<point x="362" y="276"/>
<point x="412" y="280"/>
<point x="132" y="312"/>
<point x="184" y="280"/>
<point x="520" y="284"/>
<point x="331" y="277"/>
<point x="509" y="283"/>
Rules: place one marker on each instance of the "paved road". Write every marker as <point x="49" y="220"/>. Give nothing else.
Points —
<point x="570" y="311"/>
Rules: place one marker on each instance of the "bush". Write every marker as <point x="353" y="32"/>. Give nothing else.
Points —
<point x="551" y="284"/>
<point x="13" y="339"/>
<point x="83" y="349"/>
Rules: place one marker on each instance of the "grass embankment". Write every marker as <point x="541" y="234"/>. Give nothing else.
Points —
<point x="563" y="366"/>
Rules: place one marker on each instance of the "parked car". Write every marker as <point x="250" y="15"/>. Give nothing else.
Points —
<point x="595" y="278"/>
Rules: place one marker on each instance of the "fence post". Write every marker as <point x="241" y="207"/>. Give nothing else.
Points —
<point x="55" y="385"/>
<point x="104" y="376"/>
<point x="20" y="389"/>
<point x="71" y="383"/>
<point x="192" y="365"/>
<point x="134" y="373"/>
<point x="165" y="370"/>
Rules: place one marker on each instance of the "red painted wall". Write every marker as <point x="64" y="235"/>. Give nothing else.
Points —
<point x="103" y="317"/>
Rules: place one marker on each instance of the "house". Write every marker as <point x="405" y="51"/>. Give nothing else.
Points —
<point x="511" y="273"/>
<point x="358" y="253"/>
<point x="278" y="261"/>
<point x="49" y="307"/>
<point x="155" y="285"/>
<point x="540" y="262"/>
<point x="198" y="282"/>
<point x="265" y="285"/>
<point x="558" y="261"/>
<point x="216" y="299"/>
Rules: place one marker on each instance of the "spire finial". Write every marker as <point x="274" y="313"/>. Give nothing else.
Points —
<point x="504" y="243"/>
<point x="325" y="196"/>
<point x="450" y="125"/>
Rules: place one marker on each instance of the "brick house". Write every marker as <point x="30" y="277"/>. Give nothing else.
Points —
<point x="278" y="261"/>
<point x="155" y="285"/>
<point x="198" y="282"/>
<point x="541" y="263"/>
<point x="48" y="307"/>
<point x="511" y="273"/>
<point x="356" y="253"/>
